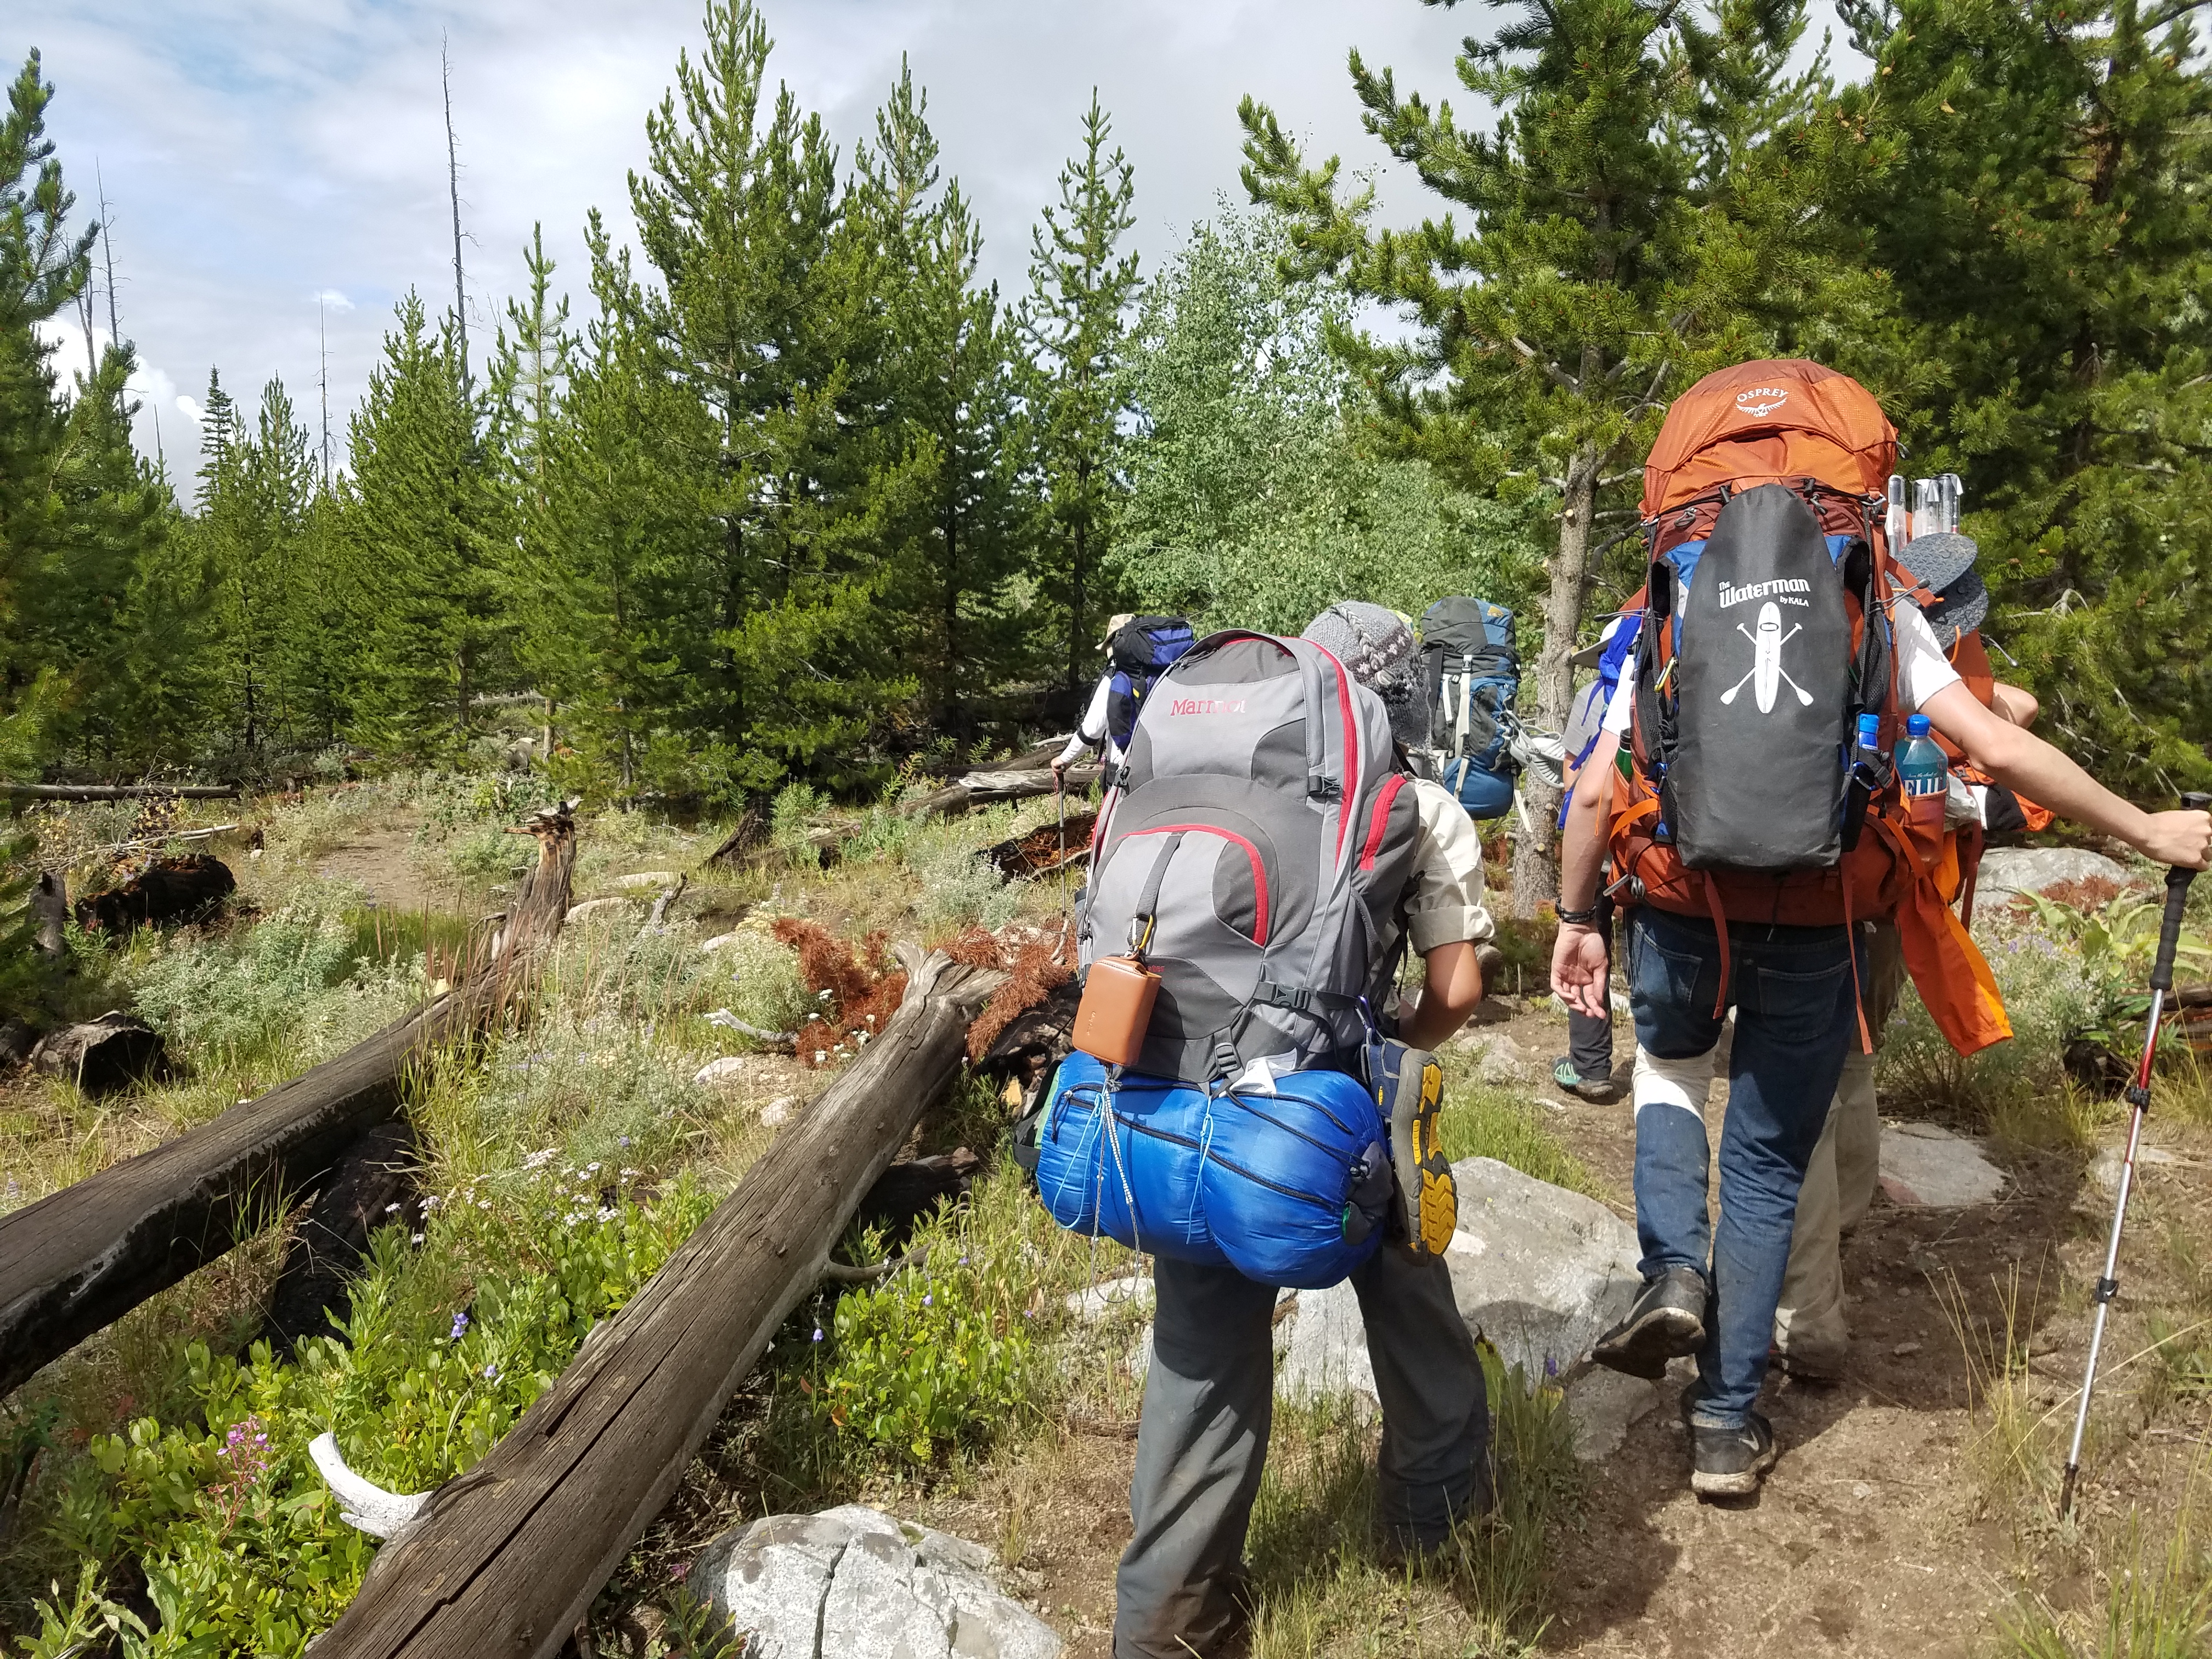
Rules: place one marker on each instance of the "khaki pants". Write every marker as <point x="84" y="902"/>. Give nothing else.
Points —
<point x="1839" y="1182"/>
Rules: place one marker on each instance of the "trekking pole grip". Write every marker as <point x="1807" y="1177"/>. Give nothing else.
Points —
<point x="2177" y="898"/>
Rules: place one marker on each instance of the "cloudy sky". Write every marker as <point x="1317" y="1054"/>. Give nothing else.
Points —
<point x="257" y="154"/>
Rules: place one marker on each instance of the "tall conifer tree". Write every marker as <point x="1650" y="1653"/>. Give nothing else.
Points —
<point x="1081" y="287"/>
<point x="2051" y="240"/>
<point x="1642" y="211"/>
<point x="420" y="516"/>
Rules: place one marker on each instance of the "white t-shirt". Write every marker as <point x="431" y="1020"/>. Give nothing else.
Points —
<point x="1922" y="669"/>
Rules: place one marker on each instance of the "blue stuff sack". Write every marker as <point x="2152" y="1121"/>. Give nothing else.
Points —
<point x="1290" y="1188"/>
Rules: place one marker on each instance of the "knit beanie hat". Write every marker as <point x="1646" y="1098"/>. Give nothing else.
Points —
<point x="1376" y="646"/>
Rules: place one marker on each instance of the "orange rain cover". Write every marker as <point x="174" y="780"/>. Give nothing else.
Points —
<point x="1779" y="418"/>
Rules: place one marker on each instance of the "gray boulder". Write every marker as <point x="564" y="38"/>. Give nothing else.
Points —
<point x="1925" y="1167"/>
<point x="1539" y="1271"/>
<point x="2008" y="869"/>
<point x="855" y="1583"/>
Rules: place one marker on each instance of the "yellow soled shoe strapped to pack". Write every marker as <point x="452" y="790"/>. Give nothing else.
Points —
<point x="1409" y="1089"/>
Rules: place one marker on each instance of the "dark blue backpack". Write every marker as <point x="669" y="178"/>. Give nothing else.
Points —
<point x="1474" y="673"/>
<point x="1139" y="652"/>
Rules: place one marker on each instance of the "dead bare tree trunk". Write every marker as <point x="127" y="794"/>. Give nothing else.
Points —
<point x="50" y="903"/>
<point x="81" y="1258"/>
<point x="505" y="1558"/>
<point x="1535" y="864"/>
<point x="978" y="788"/>
<point x="121" y="791"/>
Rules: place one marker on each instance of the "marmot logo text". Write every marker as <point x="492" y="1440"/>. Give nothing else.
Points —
<point x="1206" y="705"/>
<point x="1733" y="595"/>
<point x="1760" y="401"/>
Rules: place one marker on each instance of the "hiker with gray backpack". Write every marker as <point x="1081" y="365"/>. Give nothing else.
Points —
<point x="1781" y="787"/>
<point x="1248" y="1103"/>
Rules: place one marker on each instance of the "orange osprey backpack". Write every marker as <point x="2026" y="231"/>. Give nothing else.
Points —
<point x="1767" y="636"/>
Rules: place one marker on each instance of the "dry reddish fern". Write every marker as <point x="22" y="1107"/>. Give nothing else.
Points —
<point x="864" y="987"/>
<point x="1032" y="975"/>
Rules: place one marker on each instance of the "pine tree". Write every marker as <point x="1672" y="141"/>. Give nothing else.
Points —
<point x="1643" y="211"/>
<point x="1076" y="323"/>
<point x="949" y="366"/>
<point x="420" y="513"/>
<point x="764" y="306"/>
<point x="2052" y="243"/>
<point x="256" y="492"/>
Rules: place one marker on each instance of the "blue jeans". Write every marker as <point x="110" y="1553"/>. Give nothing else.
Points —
<point x="1796" y="1017"/>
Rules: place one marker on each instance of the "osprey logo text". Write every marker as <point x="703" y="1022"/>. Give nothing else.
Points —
<point x="1206" y="705"/>
<point x="1766" y="672"/>
<point x="1760" y="401"/>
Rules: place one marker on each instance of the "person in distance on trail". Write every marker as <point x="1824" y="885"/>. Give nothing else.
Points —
<point x="1210" y="1393"/>
<point x="1674" y="971"/>
<point x="1092" y="734"/>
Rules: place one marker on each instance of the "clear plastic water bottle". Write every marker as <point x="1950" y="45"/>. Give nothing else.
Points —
<point x="1925" y="774"/>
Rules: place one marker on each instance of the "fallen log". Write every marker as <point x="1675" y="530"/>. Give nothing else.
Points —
<point x="81" y="1258"/>
<point x="101" y="1055"/>
<point x="177" y="889"/>
<point x="505" y="1558"/>
<point x="121" y="791"/>
<point x="979" y="789"/>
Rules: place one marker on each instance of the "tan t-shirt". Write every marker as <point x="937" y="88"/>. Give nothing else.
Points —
<point x="1445" y="906"/>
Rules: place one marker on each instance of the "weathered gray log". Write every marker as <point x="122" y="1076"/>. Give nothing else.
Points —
<point x="101" y="1055"/>
<point x="121" y="791"/>
<point x="505" y="1558"/>
<point x="978" y="788"/>
<point x="81" y="1258"/>
<point x="50" y="903"/>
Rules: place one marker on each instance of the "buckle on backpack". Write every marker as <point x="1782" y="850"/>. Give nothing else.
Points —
<point x="1299" y="999"/>
<point x="1321" y="786"/>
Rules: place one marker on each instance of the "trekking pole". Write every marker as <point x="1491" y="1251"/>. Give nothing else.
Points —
<point x="2138" y="1096"/>
<point x="1060" y="797"/>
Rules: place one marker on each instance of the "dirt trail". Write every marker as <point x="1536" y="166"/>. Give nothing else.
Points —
<point x="382" y="863"/>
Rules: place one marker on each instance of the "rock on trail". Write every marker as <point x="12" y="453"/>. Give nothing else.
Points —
<point x="1923" y="1166"/>
<point x="1539" y="1271"/>
<point x="855" y="1583"/>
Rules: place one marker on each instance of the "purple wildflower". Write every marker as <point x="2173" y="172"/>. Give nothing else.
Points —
<point x="460" y="1324"/>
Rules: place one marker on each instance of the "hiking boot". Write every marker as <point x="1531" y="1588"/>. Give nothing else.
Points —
<point x="1603" y="1090"/>
<point x="1668" y="1320"/>
<point x="1728" y="1463"/>
<point x="1412" y="1093"/>
<point x="1492" y="961"/>
<point x="1812" y="1358"/>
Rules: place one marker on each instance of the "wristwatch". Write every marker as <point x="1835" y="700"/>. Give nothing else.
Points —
<point x="1579" y="918"/>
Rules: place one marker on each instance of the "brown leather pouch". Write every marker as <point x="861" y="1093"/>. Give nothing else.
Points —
<point x="1116" y="1009"/>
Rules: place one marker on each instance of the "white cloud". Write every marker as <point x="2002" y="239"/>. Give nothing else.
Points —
<point x="257" y="151"/>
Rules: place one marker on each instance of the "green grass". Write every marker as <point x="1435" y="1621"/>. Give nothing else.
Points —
<point x="1321" y="1588"/>
<point x="1480" y="1121"/>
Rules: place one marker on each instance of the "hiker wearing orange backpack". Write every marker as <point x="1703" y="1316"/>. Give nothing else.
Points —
<point x="1761" y="819"/>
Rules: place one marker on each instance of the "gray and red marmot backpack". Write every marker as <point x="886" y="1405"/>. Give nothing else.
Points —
<point x="1256" y="849"/>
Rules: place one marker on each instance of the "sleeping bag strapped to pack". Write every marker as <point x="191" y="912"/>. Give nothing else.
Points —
<point x="1253" y="853"/>
<point x="1138" y="653"/>
<point x="1290" y="1188"/>
<point x="1474" y="675"/>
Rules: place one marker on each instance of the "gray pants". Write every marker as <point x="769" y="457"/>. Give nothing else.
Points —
<point x="1209" y="1399"/>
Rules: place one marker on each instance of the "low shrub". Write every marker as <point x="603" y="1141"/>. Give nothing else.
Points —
<point x="925" y="1361"/>
<point x="297" y="979"/>
<point x="452" y="1334"/>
